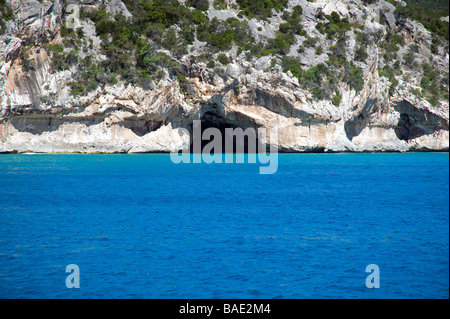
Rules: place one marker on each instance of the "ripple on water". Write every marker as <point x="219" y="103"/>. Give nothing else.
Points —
<point x="142" y="227"/>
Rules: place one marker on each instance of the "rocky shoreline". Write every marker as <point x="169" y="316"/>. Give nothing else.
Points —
<point x="39" y="112"/>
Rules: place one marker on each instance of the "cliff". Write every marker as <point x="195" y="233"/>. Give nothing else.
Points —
<point x="127" y="76"/>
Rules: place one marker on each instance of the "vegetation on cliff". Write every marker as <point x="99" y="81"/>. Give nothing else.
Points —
<point x="162" y="33"/>
<point x="6" y="14"/>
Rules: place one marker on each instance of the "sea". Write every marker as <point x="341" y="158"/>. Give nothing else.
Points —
<point x="324" y="226"/>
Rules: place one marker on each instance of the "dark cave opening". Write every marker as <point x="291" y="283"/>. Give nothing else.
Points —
<point x="244" y="140"/>
<point x="407" y="129"/>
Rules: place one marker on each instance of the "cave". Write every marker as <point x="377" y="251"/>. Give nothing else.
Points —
<point x="406" y="128"/>
<point x="211" y="119"/>
<point x="355" y="126"/>
<point x="415" y="122"/>
<point x="141" y="127"/>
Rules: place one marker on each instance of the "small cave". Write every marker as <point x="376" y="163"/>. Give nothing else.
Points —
<point x="141" y="128"/>
<point x="36" y="125"/>
<point x="354" y="127"/>
<point x="415" y="122"/>
<point x="406" y="129"/>
<point x="213" y="120"/>
<point x="359" y="122"/>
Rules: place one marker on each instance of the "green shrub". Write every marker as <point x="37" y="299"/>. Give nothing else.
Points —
<point x="292" y="64"/>
<point x="219" y="4"/>
<point x="222" y="58"/>
<point x="429" y="19"/>
<point x="76" y="88"/>
<point x="146" y="58"/>
<point x="28" y="64"/>
<point x="72" y="57"/>
<point x="201" y="5"/>
<point x="339" y="49"/>
<point x="218" y="40"/>
<point x="55" y="48"/>
<point x="165" y="12"/>
<point x="183" y="81"/>
<point x="310" y="42"/>
<point x="429" y="72"/>
<point x="170" y="39"/>
<point x="336" y="100"/>
<point x="336" y="27"/>
<point x="398" y="39"/>
<point x="261" y="9"/>
<point x="293" y="25"/>
<point x="60" y="60"/>
<point x="241" y="33"/>
<point x="311" y="76"/>
<point x="6" y="12"/>
<point x="361" y="54"/>
<point x="2" y="26"/>
<point x="319" y="50"/>
<point x="258" y="50"/>
<point x="80" y="33"/>
<point x="198" y="17"/>
<point x="434" y="46"/>
<point x="68" y="33"/>
<point x="297" y="11"/>
<point x="154" y="31"/>
<point x="336" y="61"/>
<point x="282" y="43"/>
<point x="362" y="37"/>
<point x="425" y="82"/>
<point x="220" y="35"/>
<point x="353" y="76"/>
<point x="408" y="59"/>
<point x="387" y="72"/>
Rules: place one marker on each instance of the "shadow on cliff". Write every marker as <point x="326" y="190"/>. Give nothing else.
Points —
<point x="354" y="126"/>
<point x="277" y="104"/>
<point x="414" y="122"/>
<point x="38" y="125"/>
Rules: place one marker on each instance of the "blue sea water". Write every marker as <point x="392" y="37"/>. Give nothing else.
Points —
<point x="139" y="226"/>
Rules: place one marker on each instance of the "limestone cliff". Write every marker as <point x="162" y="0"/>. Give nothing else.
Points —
<point x="347" y="76"/>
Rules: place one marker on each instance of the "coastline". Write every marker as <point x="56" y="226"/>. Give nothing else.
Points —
<point x="167" y="153"/>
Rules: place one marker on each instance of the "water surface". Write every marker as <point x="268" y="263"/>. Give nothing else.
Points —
<point x="139" y="226"/>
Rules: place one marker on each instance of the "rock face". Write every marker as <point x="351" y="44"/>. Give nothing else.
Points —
<point x="39" y="113"/>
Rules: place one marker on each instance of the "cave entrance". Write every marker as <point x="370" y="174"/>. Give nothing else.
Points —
<point x="243" y="140"/>
<point x="415" y="122"/>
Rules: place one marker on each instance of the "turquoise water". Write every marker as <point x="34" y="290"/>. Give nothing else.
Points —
<point x="139" y="226"/>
